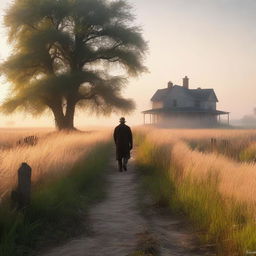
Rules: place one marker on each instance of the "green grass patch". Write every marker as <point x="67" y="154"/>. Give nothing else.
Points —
<point x="228" y="226"/>
<point x="58" y="207"/>
<point x="248" y="154"/>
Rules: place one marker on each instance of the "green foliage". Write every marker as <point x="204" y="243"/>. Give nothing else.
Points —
<point x="57" y="209"/>
<point x="248" y="154"/>
<point x="225" y="223"/>
<point x="63" y="52"/>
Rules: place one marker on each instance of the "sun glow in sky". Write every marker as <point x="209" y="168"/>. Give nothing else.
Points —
<point x="211" y="41"/>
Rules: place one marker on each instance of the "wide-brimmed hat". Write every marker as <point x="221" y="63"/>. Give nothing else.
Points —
<point x="122" y="120"/>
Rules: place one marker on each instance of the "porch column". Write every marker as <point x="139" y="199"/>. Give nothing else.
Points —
<point x="154" y="119"/>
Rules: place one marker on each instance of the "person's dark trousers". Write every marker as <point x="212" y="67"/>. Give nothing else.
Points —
<point x="120" y="165"/>
<point x="125" y="161"/>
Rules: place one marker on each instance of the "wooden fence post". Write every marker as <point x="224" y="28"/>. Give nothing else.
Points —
<point x="23" y="193"/>
<point x="213" y="143"/>
<point x="225" y="144"/>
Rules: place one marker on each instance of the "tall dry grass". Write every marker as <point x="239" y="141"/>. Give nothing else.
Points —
<point x="10" y="136"/>
<point x="187" y="135"/>
<point x="217" y="192"/>
<point x="54" y="154"/>
<point x="68" y="176"/>
<point x="236" y="180"/>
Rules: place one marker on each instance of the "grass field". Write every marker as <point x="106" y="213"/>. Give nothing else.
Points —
<point x="214" y="186"/>
<point x="54" y="154"/>
<point x="68" y="171"/>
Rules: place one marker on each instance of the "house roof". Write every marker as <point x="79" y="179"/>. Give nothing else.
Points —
<point x="185" y="110"/>
<point x="160" y="94"/>
<point x="202" y="94"/>
<point x="197" y="94"/>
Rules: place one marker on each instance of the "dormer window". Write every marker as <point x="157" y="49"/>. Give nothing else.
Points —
<point x="175" y="104"/>
<point x="197" y="104"/>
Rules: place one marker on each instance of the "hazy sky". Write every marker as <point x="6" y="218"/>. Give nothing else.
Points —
<point x="211" y="41"/>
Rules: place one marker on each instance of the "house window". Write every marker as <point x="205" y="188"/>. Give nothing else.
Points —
<point x="175" y="103"/>
<point x="197" y="104"/>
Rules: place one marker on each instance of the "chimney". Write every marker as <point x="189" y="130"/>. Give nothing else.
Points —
<point x="186" y="82"/>
<point x="170" y="85"/>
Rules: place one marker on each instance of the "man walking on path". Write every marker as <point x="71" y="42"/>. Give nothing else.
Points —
<point x="124" y="143"/>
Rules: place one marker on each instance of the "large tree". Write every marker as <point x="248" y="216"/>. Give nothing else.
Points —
<point x="64" y="52"/>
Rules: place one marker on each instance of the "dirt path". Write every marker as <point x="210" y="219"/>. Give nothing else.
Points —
<point x="117" y="224"/>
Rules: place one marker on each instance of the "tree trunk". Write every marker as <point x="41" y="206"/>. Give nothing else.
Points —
<point x="58" y="116"/>
<point x="64" y="121"/>
<point x="70" y="113"/>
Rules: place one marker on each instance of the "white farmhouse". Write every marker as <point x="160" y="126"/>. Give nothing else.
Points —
<point x="180" y="106"/>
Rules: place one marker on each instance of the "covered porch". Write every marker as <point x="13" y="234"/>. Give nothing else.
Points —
<point x="174" y="115"/>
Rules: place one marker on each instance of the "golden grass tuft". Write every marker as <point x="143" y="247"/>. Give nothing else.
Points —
<point x="216" y="190"/>
<point x="237" y="179"/>
<point x="55" y="153"/>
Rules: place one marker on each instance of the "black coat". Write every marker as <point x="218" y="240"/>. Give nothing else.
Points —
<point x="123" y="141"/>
